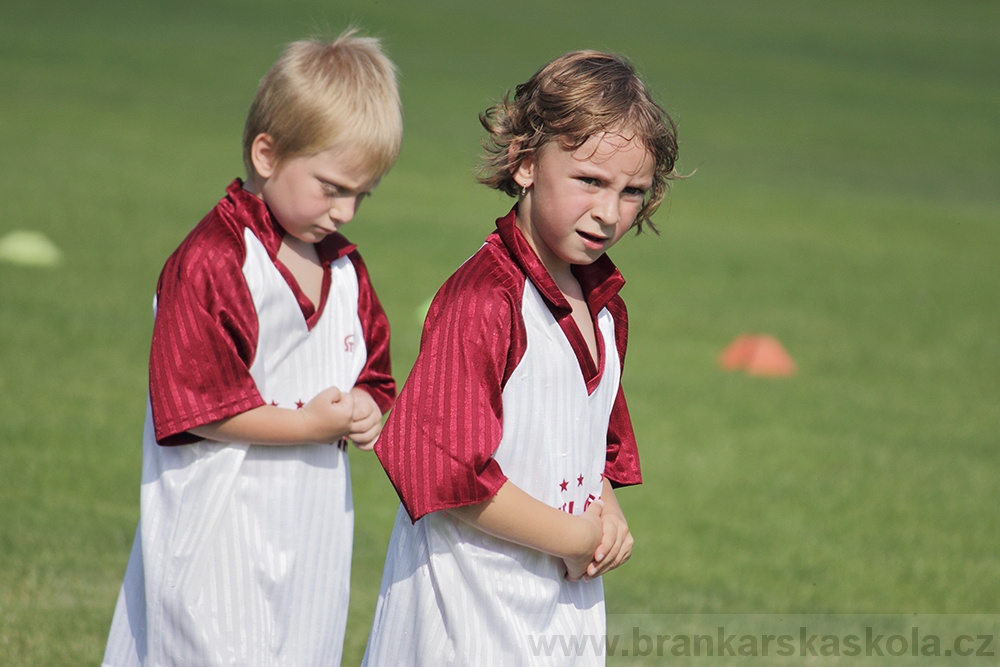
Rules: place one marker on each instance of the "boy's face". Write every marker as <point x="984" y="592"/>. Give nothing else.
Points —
<point x="313" y="196"/>
<point x="580" y="203"/>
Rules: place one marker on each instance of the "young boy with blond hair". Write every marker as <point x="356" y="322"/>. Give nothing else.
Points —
<point x="270" y="351"/>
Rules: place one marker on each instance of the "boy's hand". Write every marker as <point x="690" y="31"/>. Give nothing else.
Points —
<point x="615" y="547"/>
<point x="366" y="420"/>
<point x="329" y="415"/>
<point x="576" y="567"/>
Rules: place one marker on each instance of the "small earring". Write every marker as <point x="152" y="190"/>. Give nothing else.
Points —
<point x="524" y="189"/>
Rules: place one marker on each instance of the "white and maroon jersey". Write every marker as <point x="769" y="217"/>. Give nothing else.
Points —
<point x="504" y="388"/>
<point x="243" y="552"/>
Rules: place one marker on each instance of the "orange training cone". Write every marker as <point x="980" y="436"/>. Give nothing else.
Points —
<point x="758" y="355"/>
<point x="770" y="359"/>
<point x="737" y="354"/>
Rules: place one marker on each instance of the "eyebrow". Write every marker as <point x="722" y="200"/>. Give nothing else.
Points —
<point x="602" y="176"/>
<point x="366" y="189"/>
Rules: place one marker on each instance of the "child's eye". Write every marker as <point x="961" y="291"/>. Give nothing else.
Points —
<point x="589" y="181"/>
<point x="635" y="192"/>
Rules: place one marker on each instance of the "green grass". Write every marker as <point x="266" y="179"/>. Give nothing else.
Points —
<point x="845" y="200"/>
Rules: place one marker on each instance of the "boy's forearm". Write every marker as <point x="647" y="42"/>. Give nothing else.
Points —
<point x="264" y="425"/>
<point x="610" y="500"/>
<point x="513" y="515"/>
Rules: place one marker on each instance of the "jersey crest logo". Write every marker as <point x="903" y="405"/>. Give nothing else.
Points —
<point x="349" y="343"/>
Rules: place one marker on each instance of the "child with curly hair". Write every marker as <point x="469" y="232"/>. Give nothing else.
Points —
<point x="512" y="430"/>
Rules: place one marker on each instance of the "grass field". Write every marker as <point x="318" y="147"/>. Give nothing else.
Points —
<point x="845" y="200"/>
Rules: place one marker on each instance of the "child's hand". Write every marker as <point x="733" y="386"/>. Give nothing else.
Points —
<point x="576" y="567"/>
<point x="615" y="547"/>
<point x="329" y="415"/>
<point x="366" y="421"/>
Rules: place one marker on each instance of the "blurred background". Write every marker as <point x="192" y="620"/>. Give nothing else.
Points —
<point x="845" y="201"/>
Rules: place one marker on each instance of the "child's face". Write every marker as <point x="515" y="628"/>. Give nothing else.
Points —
<point x="313" y="196"/>
<point x="580" y="203"/>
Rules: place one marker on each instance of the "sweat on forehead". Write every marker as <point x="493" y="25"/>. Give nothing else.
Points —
<point x="604" y="145"/>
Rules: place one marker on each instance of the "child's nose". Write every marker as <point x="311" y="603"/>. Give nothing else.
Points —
<point x="606" y="209"/>
<point x="342" y="209"/>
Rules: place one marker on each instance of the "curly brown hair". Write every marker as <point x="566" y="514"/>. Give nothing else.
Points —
<point x="571" y="99"/>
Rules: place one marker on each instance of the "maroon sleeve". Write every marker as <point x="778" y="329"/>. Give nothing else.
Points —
<point x="376" y="377"/>
<point x="438" y="443"/>
<point x="622" y="466"/>
<point x="204" y="337"/>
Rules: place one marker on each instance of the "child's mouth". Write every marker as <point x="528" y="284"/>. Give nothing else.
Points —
<point x="592" y="240"/>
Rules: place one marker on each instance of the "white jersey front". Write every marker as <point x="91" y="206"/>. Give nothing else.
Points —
<point x="243" y="552"/>
<point x="453" y="595"/>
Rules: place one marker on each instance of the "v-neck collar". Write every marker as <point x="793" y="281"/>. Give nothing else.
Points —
<point x="257" y="216"/>
<point x="600" y="281"/>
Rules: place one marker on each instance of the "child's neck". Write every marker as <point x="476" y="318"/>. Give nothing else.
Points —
<point x="301" y="259"/>
<point x="570" y="287"/>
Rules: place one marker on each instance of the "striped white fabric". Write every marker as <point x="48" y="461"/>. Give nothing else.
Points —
<point x="452" y="595"/>
<point x="243" y="552"/>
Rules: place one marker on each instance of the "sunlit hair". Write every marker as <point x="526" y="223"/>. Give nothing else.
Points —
<point x="319" y="96"/>
<point x="573" y="98"/>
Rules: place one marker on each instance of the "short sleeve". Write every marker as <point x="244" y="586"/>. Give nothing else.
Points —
<point x="622" y="466"/>
<point x="438" y="443"/>
<point x="376" y="377"/>
<point x="204" y="338"/>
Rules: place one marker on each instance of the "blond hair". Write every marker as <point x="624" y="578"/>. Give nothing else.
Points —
<point x="573" y="98"/>
<point x="322" y="95"/>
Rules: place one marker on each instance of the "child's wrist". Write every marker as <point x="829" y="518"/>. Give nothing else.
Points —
<point x="585" y="538"/>
<point x="305" y="425"/>
<point x="315" y="430"/>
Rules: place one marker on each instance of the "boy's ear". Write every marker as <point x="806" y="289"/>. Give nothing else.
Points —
<point x="263" y="156"/>
<point x="524" y="175"/>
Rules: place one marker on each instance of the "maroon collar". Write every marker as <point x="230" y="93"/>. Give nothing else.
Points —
<point x="600" y="281"/>
<point x="254" y="213"/>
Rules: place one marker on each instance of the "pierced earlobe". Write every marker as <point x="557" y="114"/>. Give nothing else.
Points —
<point x="524" y="175"/>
